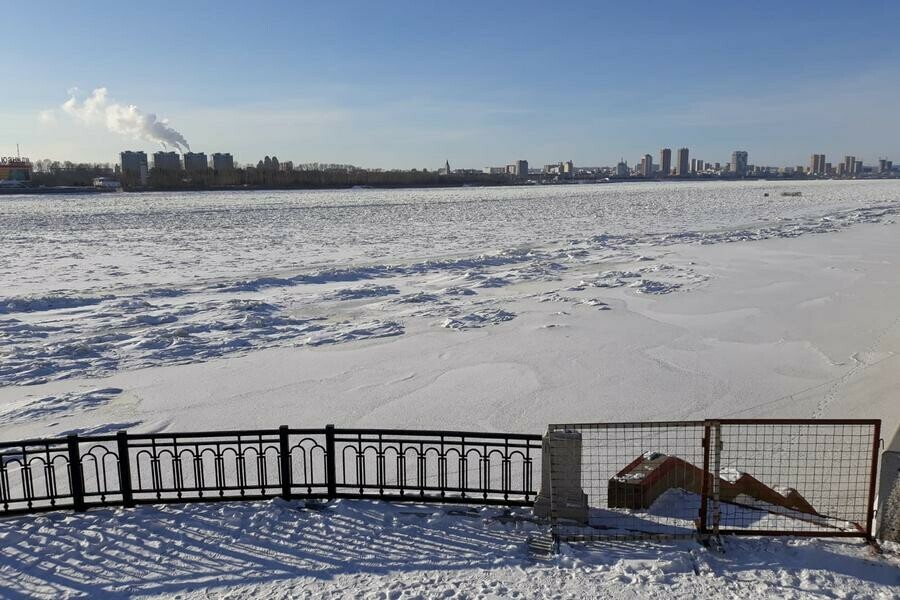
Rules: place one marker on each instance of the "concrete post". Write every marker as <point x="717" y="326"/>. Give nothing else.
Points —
<point x="889" y="498"/>
<point x="561" y="496"/>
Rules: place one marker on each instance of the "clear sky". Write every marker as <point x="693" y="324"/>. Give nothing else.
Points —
<point x="410" y="84"/>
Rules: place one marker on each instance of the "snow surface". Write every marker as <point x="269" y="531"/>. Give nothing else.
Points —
<point x="363" y="549"/>
<point x="476" y="308"/>
<point x="499" y="309"/>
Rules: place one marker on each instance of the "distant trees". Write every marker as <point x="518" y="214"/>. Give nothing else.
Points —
<point x="53" y="173"/>
<point x="266" y="174"/>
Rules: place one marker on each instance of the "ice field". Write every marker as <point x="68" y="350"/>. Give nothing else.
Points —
<point x="496" y="309"/>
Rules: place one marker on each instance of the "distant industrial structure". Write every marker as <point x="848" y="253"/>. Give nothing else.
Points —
<point x="15" y="169"/>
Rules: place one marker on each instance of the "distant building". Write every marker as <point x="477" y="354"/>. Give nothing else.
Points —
<point x="622" y="168"/>
<point x="522" y="168"/>
<point x="665" y="162"/>
<point x="885" y="166"/>
<point x="568" y="167"/>
<point x="195" y="161"/>
<point x="222" y="162"/>
<point x="647" y="166"/>
<point x="857" y="167"/>
<point x="15" y="168"/>
<point x="166" y="161"/>
<point x="495" y="170"/>
<point x="683" y="165"/>
<point x="446" y="169"/>
<point x="817" y="164"/>
<point x="134" y="165"/>
<point x="518" y="168"/>
<point x="739" y="163"/>
<point x="849" y="165"/>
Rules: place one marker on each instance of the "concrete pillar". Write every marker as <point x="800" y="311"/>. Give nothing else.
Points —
<point x="561" y="496"/>
<point x="889" y="498"/>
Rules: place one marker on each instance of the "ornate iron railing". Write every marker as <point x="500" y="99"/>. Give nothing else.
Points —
<point x="79" y="472"/>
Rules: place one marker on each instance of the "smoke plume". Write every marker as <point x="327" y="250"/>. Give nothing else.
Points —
<point x="125" y="120"/>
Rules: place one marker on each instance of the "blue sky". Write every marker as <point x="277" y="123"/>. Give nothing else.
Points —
<point x="410" y="84"/>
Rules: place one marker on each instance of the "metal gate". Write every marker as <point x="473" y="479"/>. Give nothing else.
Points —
<point x="678" y="479"/>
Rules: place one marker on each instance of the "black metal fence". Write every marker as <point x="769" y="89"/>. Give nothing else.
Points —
<point x="125" y="469"/>
<point x="661" y="480"/>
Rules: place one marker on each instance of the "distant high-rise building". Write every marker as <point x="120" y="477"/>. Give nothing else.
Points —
<point x="166" y="161"/>
<point x="683" y="165"/>
<point x="622" y="168"/>
<point x="665" y="162"/>
<point x="857" y="167"/>
<point x="518" y="168"/>
<point x="849" y="165"/>
<point x="569" y="167"/>
<point x="134" y="165"/>
<point x="739" y="163"/>
<point x="222" y="162"/>
<point x="828" y="169"/>
<point x="647" y="166"/>
<point x="195" y="161"/>
<point x="885" y="166"/>
<point x="817" y="164"/>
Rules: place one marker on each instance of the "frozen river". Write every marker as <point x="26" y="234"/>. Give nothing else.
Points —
<point x="484" y="308"/>
<point x="105" y="242"/>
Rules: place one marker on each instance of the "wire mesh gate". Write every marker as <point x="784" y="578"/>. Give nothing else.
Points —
<point x="678" y="479"/>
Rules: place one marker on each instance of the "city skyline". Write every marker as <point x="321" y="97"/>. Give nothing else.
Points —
<point x="386" y="88"/>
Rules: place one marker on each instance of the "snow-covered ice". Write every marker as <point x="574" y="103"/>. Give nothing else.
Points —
<point x="497" y="309"/>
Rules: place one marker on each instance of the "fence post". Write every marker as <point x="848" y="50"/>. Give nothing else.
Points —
<point x="76" y="474"/>
<point x="716" y="449"/>
<point x="330" y="462"/>
<point x="285" y="462"/>
<point x="704" y="485"/>
<point x="873" y="475"/>
<point x="124" y="469"/>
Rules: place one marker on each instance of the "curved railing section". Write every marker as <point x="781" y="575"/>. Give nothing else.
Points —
<point x="79" y="472"/>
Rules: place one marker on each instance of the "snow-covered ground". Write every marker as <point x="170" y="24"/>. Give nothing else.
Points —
<point x="377" y="550"/>
<point x="499" y="309"/>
